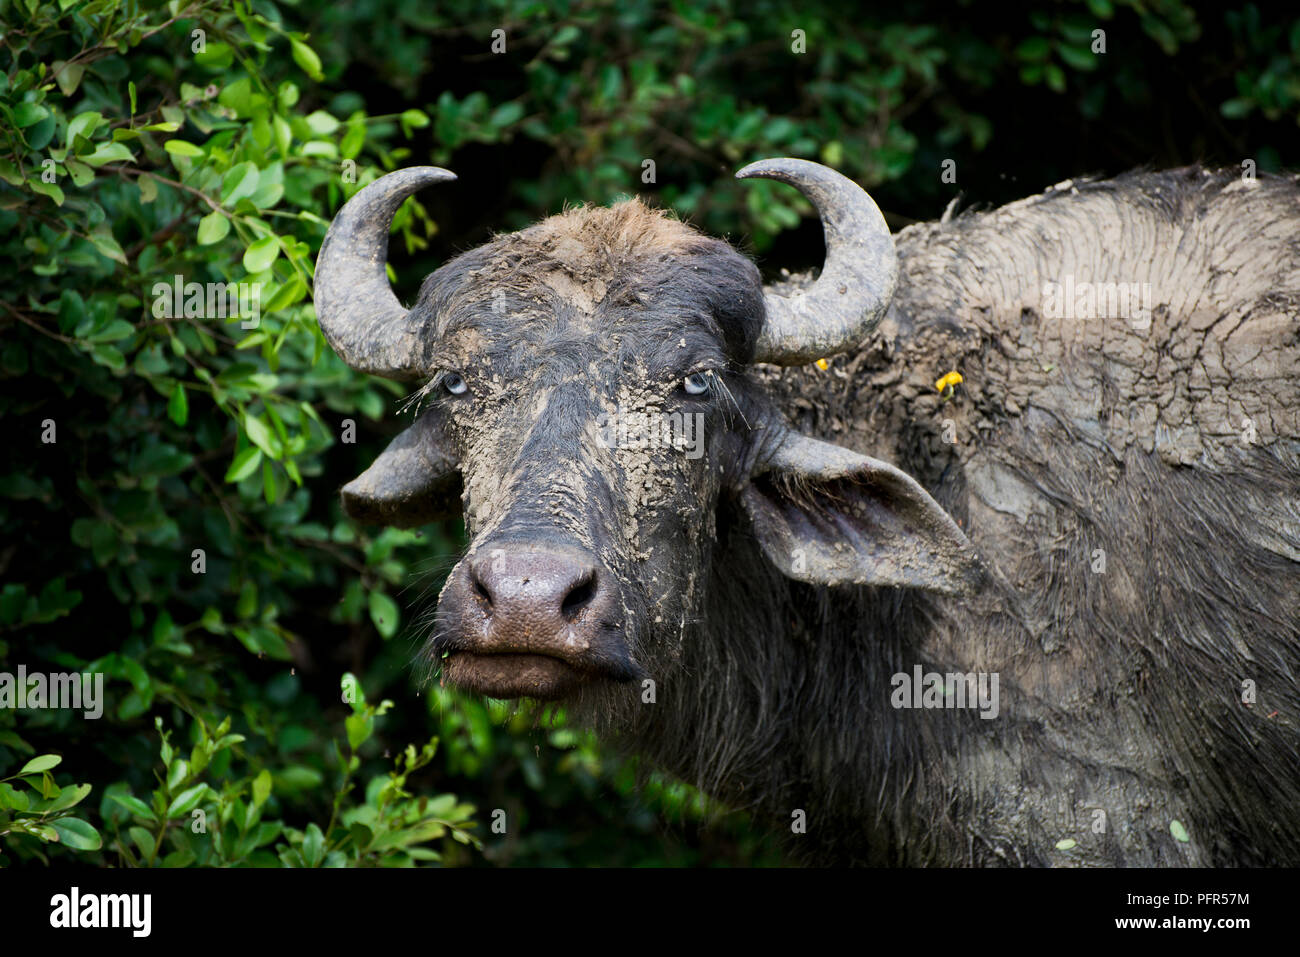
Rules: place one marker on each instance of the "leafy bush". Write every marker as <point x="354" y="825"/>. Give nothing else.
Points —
<point x="167" y="484"/>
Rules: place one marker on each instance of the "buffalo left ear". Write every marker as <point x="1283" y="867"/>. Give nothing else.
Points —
<point x="414" y="481"/>
<point x="829" y="516"/>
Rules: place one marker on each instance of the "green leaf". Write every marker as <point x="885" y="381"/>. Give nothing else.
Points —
<point x="42" y="762"/>
<point x="353" y="140"/>
<point x="1159" y="31"/>
<point x="244" y="465"/>
<point x="506" y="114"/>
<point x="83" y="124"/>
<point x="313" y="845"/>
<point x="323" y="124"/>
<point x="29" y="114"/>
<point x="1078" y="58"/>
<point x="8" y="738"/>
<point x="287" y="295"/>
<point x="261" y="787"/>
<point x="566" y="35"/>
<point x="239" y="182"/>
<point x="182" y="148"/>
<point x="260" y="435"/>
<point x="68" y="75"/>
<point x="268" y="483"/>
<point x="415" y="118"/>
<point x="306" y="59"/>
<point x="320" y="148"/>
<point x="1055" y="77"/>
<point x="12" y="798"/>
<point x="144" y="841"/>
<point x="104" y="543"/>
<point x="134" y="805"/>
<point x="1034" y="48"/>
<point x="47" y="189"/>
<point x="261" y="254"/>
<point x="40" y="135"/>
<point x="282" y="132"/>
<point x="109" y="356"/>
<point x="213" y="228"/>
<point x="361" y="835"/>
<point x="177" y="773"/>
<point x="81" y="173"/>
<point x="1179" y="832"/>
<point x="108" y="153"/>
<point x="268" y="194"/>
<point x="186" y="801"/>
<point x="69" y="797"/>
<point x="77" y="834"/>
<point x="384" y="613"/>
<point x="215" y="56"/>
<point x="178" y="406"/>
<point x="358" y="728"/>
<point x="108" y="247"/>
<point x="1237" y="107"/>
<point x="116" y="330"/>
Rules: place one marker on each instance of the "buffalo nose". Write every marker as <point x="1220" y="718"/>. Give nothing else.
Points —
<point x="532" y="619"/>
<point x="533" y="589"/>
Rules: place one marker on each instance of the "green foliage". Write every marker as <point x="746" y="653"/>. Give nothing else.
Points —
<point x="190" y="820"/>
<point x="152" y="410"/>
<point x="1269" y="76"/>
<point x="32" y="805"/>
<point x="172" y="453"/>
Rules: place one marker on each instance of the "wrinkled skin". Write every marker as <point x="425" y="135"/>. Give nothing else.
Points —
<point x="758" y="586"/>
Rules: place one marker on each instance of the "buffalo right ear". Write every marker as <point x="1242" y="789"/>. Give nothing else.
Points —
<point x="827" y="515"/>
<point x="414" y="481"/>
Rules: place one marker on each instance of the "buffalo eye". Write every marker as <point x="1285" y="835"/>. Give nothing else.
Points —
<point x="454" y="383"/>
<point x="697" y="383"/>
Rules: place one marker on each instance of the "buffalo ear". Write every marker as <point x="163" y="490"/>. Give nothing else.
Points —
<point x="414" y="481"/>
<point x="829" y="516"/>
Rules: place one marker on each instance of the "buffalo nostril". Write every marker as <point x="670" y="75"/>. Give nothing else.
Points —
<point x="481" y="591"/>
<point x="579" y="597"/>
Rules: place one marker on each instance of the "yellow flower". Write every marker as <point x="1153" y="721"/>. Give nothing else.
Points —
<point x="948" y="382"/>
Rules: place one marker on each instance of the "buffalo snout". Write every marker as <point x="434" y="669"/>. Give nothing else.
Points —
<point x="532" y="619"/>
<point x="534" y="591"/>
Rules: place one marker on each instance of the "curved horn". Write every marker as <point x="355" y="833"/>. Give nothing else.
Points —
<point x="361" y="318"/>
<point x="840" y="309"/>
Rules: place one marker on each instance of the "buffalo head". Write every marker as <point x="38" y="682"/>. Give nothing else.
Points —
<point x="586" y="395"/>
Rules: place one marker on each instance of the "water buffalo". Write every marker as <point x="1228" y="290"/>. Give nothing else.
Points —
<point x="1049" y="615"/>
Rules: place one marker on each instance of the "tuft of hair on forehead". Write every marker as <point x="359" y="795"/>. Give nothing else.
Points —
<point x="601" y="236"/>
<point x="594" y="258"/>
